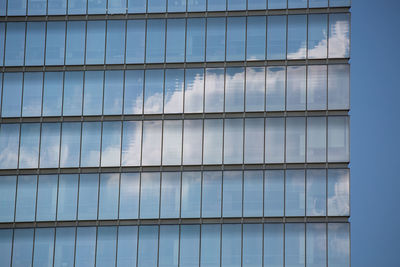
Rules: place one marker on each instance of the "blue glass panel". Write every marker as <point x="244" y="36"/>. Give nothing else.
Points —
<point x="234" y="90"/>
<point x="253" y="194"/>
<point x="109" y="190"/>
<point x="97" y="6"/>
<point x="96" y="36"/>
<point x="137" y="6"/>
<point x="252" y="245"/>
<point x="339" y="36"/>
<point x="237" y="4"/>
<point x="210" y="245"/>
<point x="175" y="51"/>
<point x="274" y="193"/>
<point x="212" y="191"/>
<point x="129" y="196"/>
<point x="231" y="245"/>
<point x="75" y="43"/>
<point x="55" y="43"/>
<point x="2" y="37"/>
<point x="338" y="192"/>
<point x="176" y="5"/>
<point x="273" y="245"/>
<point x="214" y="91"/>
<point x="172" y="142"/>
<point x="22" y="247"/>
<point x="338" y="245"/>
<point x="127" y="246"/>
<point x="317" y="35"/>
<point x="277" y="4"/>
<point x="76" y="7"/>
<point x="195" y="39"/>
<point x="256" y="4"/>
<point x="156" y="6"/>
<point x="135" y="41"/>
<point x="316" y="244"/>
<point x="6" y="236"/>
<point x="338" y="139"/>
<point x="65" y="246"/>
<point x="316" y="87"/>
<point x="70" y="144"/>
<point x="15" y="43"/>
<point x="148" y="246"/>
<point x="116" y="7"/>
<point x="295" y="193"/>
<point x="93" y="93"/>
<point x="233" y="141"/>
<point x="131" y="143"/>
<point x="189" y="246"/>
<point x="276" y="41"/>
<point x="133" y="96"/>
<point x="168" y="246"/>
<point x="26" y="198"/>
<point x="256" y="31"/>
<point x="90" y="151"/>
<point x="16" y="8"/>
<point x="215" y="38"/>
<point x="274" y="140"/>
<point x="35" y="37"/>
<point x="32" y="94"/>
<point x="191" y="195"/>
<point x="212" y="142"/>
<point x="297" y="3"/>
<point x="47" y="198"/>
<point x="106" y="246"/>
<point x="56" y="7"/>
<point x="50" y="145"/>
<point x="317" y="3"/>
<point x="232" y="194"/>
<point x="29" y="145"/>
<point x="115" y="41"/>
<point x="73" y="89"/>
<point x="338" y="87"/>
<point x="194" y="90"/>
<point x="67" y="197"/>
<point x="8" y="185"/>
<point x="216" y="5"/>
<point x="297" y="36"/>
<point x="153" y="92"/>
<point x="3" y="9"/>
<point x="196" y="5"/>
<point x="294" y="245"/>
<point x="151" y="143"/>
<point x="276" y="87"/>
<point x="111" y="144"/>
<point x="44" y="247"/>
<point x="52" y="93"/>
<point x="150" y="195"/>
<point x="316" y="139"/>
<point x="254" y="140"/>
<point x="296" y="88"/>
<point x="192" y="142"/>
<point x="85" y="246"/>
<point x="334" y="3"/>
<point x="173" y="95"/>
<point x="113" y="92"/>
<point x="88" y="196"/>
<point x="295" y="139"/>
<point x="170" y="194"/>
<point x="236" y="38"/>
<point x="316" y="193"/>
<point x="155" y="42"/>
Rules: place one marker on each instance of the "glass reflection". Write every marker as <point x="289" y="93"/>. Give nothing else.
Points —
<point x="194" y="90"/>
<point x="96" y="36"/>
<point x="44" y="247"/>
<point x="189" y="246"/>
<point x="47" y="198"/>
<point x="115" y="7"/>
<point x="274" y="193"/>
<point x="29" y="145"/>
<point x="273" y="244"/>
<point x="133" y="95"/>
<point x="295" y="139"/>
<point x="75" y="45"/>
<point x="191" y="195"/>
<point x="155" y="42"/>
<point x="16" y="7"/>
<point x="255" y="88"/>
<point x="115" y="41"/>
<point x="56" y="7"/>
<point x="338" y="244"/>
<point x="22" y="247"/>
<point x="6" y="236"/>
<point x="318" y="3"/>
<point x="127" y="242"/>
<point x="338" y="86"/>
<point x="294" y="245"/>
<point x="295" y="193"/>
<point x="15" y="41"/>
<point x="12" y="94"/>
<point x="135" y="40"/>
<point x="177" y="6"/>
<point x="297" y="33"/>
<point x="316" y="244"/>
<point x="211" y="195"/>
<point x="91" y="138"/>
<point x="232" y="194"/>
<point x="85" y="246"/>
<point x="254" y="140"/>
<point x="212" y="142"/>
<point x="106" y="246"/>
<point x="172" y="142"/>
<point x="316" y="87"/>
<point x="316" y="139"/>
<point x="196" y="5"/>
<point x="52" y="93"/>
<point x="148" y="246"/>
<point x="216" y="5"/>
<point x="70" y="144"/>
<point x="210" y="245"/>
<point x="76" y="7"/>
<point x="168" y="246"/>
<point x="2" y="35"/>
<point x="88" y="196"/>
<point x="55" y="42"/>
<point x="129" y="196"/>
<point x="297" y="3"/>
<point x="151" y="143"/>
<point x="170" y="194"/>
<point x="236" y="4"/>
<point x="149" y="195"/>
<point x="316" y="192"/>
<point x="338" y="192"/>
<point x="173" y="95"/>
<point x="277" y="4"/>
<point x="195" y="38"/>
<point x="50" y="145"/>
<point x="296" y="88"/>
<point x="214" y="91"/>
<point x="253" y="194"/>
<point x="338" y="139"/>
<point x="317" y="34"/>
<point x="32" y="94"/>
<point x="131" y="143"/>
<point x="108" y="199"/>
<point x="235" y="37"/>
<point x="231" y="245"/>
<point x="34" y="50"/>
<point x="274" y="140"/>
<point x="97" y="6"/>
<point x="233" y="141"/>
<point x="339" y="36"/>
<point x="26" y="198"/>
<point x="276" y="87"/>
<point x="156" y="6"/>
<point x="93" y="93"/>
<point x="153" y="92"/>
<point x="234" y="91"/>
<point x="9" y="141"/>
<point x="8" y="185"/>
<point x="276" y="32"/>
<point x="73" y="85"/>
<point x="137" y="6"/>
<point x="67" y="197"/>
<point x="252" y="245"/>
<point x="175" y="50"/>
<point x="111" y="144"/>
<point x="215" y="37"/>
<point x="192" y="142"/>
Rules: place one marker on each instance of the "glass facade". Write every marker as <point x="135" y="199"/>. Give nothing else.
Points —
<point x="174" y="133"/>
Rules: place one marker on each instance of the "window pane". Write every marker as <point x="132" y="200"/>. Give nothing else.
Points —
<point x="47" y="198"/>
<point x="127" y="243"/>
<point x="276" y="87"/>
<point x="70" y="144"/>
<point x="136" y="6"/>
<point x="196" y="5"/>
<point x="153" y="92"/>
<point x="44" y="246"/>
<point x="234" y="91"/>
<point x="195" y="39"/>
<point x="115" y="7"/>
<point x="32" y="95"/>
<point x="191" y="196"/>
<point x="231" y="245"/>
<point x="316" y="244"/>
<point x="189" y="245"/>
<point x="90" y="151"/>
<point x="151" y="143"/>
<point x="55" y="43"/>
<point x="235" y="40"/>
<point x="73" y="85"/>
<point x="12" y="94"/>
<point x="316" y="139"/>
<point x="294" y="244"/>
<point x="170" y="194"/>
<point x="96" y="36"/>
<point x="9" y="141"/>
<point x="149" y="195"/>
<point x="56" y="7"/>
<point x="214" y="91"/>
<point x="297" y="3"/>
<point x="88" y="196"/>
<point x="274" y="193"/>
<point x="156" y="6"/>
<point x="15" y="42"/>
<point x="35" y="43"/>
<point x="232" y="194"/>
<point x="148" y="246"/>
<point x="333" y="3"/>
<point x="210" y="245"/>
<point x="50" y="145"/>
<point x="7" y="199"/>
<point x="215" y="38"/>
<point x="297" y="34"/>
<point x="273" y="245"/>
<point x="109" y="191"/>
<point x="256" y="4"/>
<point x="316" y="87"/>
<point x="2" y="34"/>
<point x="255" y="88"/>
<point x="22" y="247"/>
<point x="6" y="236"/>
<point x="254" y="141"/>
<point x="276" y="4"/>
<point x="85" y="246"/>
<point x="236" y="4"/>
<point x="26" y="198"/>
<point x="338" y="87"/>
<point x="211" y="202"/>
<point x="115" y="41"/>
<point x="339" y="35"/>
<point x="67" y="197"/>
<point x="233" y="141"/>
<point x="168" y="246"/>
<point x="338" y="139"/>
<point x="52" y="93"/>
<point x="212" y="142"/>
<point x="76" y="7"/>
<point x="97" y="6"/>
<point x="106" y="246"/>
<point x="173" y="99"/>
<point x="216" y="5"/>
<point x="276" y="41"/>
<point x="133" y="98"/>
<point x="175" y="38"/>
<point x="29" y="145"/>
<point x="295" y="139"/>
<point x="155" y="43"/>
<point x="253" y="194"/>
<point x="111" y="144"/>
<point x="252" y="245"/>
<point x="194" y="90"/>
<point x="316" y="192"/>
<point x="192" y="142"/>
<point x="75" y="42"/>
<point x="317" y="35"/>
<point x="93" y="93"/>
<point x="338" y="192"/>
<point x="296" y="88"/>
<point x="318" y="3"/>
<point x="274" y="140"/>
<point x="16" y="8"/>
<point x="129" y="196"/>
<point x="295" y="193"/>
<point x="135" y="40"/>
<point x="131" y="143"/>
<point x="338" y="245"/>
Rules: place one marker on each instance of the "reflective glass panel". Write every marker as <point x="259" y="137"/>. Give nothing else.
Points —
<point x="129" y="196"/>
<point x="70" y="144"/>
<point x="50" y="145"/>
<point x="192" y="142"/>
<point x="194" y="90"/>
<point x="96" y="36"/>
<point x="252" y="245"/>
<point x="75" y="43"/>
<point x="44" y="246"/>
<point x="2" y="36"/>
<point x="67" y="197"/>
<point x="339" y="35"/>
<point x="339" y="3"/>
<point x="106" y="246"/>
<point x="9" y="141"/>
<point x="111" y="143"/>
<point x="156" y="6"/>
<point x="52" y="93"/>
<point x="233" y="141"/>
<point x="135" y="41"/>
<point x="90" y="150"/>
<point x="172" y="142"/>
<point x="168" y="246"/>
<point x="234" y="91"/>
<point x="316" y="244"/>
<point x="214" y="91"/>
<point x="338" y="139"/>
<point x="16" y="7"/>
<point x="26" y="198"/>
<point x="210" y="245"/>
<point x="47" y="198"/>
<point x="216" y="5"/>
<point x="294" y="245"/>
<point x="88" y="196"/>
<point x="231" y="245"/>
<point x="151" y="143"/>
<point x="97" y="6"/>
<point x="73" y="89"/>
<point x="176" y="5"/>
<point x="273" y="245"/>
<point x="255" y="88"/>
<point x="34" y="54"/>
<point x="7" y="198"/>
<point x="338" y="244"/>
<point x="212" y="142"/>
<point x="85" y="246"/>
<point x="296" y="88"/>
<point x="131" y="143"/>
<point x="316" y="193"/>
<point x="3" y="4"/>
<point x="109" y="193"/>
<point x="175" y="51"/>
<point x="127" y="243"/>
<point x="148" y="246"/>
<point x="115" y="41"/>
<point x="137" y="6"/>
<point x="191" y="195"/>
<point x="155" y="42"/>
<point x="149" y="195"/>
<point x="276" y="87"/>
<point x="316" y="139"/>
<point x="295" y="193"/>
<point x="93" y="93"/>
<point x="274" y="193"/>
<point x="133" y="95"/>
<point x="170" y="194"/>
<point x="274" y="140"/>
<point x="276" y="32"/>
<point x="15" y="42"/>
<point x="316" y="87"/>
<point x="196" y="5"/>
<point x="55" y="43"/>
<point x="153" y="92"/>
<point x="215" y="38"/>
<point x="236" y="4"/>
<point x="256" y="31"/>
<point x="195" y="39"/>
<point x="317" y="35"/>
<point x="295" y="139"/>
<point x="189" y="246"/>
<point x="317" y="3"/>
<point x="12" y="94"/>
<point x="212" y="190"/>
<point x="115" y="7"/>
<point x="32" y="95"/>
<point x="235" y="38"/>
<point x="277" y="4"/>
<point x="29" y="145"/>
<point x="253" y="194"/>
<point x="6" y="236"/>
<point x="76" y="7"/>
<point x="22" y="247"/>
<point x="254" y="140"/>
<point x="56" y="7"/>
<point x="338" y="87"/>
<point x="297" y="3"/>
<point x="297" y="34"/>
<point x="173" y="95"/>
<point x="232" y="194"/>
<point x="338" y="192"/>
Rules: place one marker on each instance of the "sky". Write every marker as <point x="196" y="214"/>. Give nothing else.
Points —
<point x="375" y="133"/>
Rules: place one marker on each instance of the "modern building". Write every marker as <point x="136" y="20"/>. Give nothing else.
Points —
<point x="166" y="133"/>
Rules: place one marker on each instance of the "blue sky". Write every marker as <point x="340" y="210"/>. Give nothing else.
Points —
<point x="375" y="133"/>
